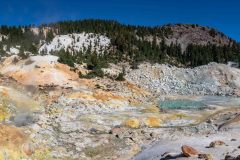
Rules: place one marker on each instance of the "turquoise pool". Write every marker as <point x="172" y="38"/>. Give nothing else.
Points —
<point x="182" y="104"/>
<point x="199" y="103"/>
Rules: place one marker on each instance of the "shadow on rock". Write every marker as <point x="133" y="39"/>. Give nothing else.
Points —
<point x="168" y="156"/>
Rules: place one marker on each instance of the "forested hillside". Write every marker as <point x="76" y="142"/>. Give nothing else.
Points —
<point x="179" y="44"/>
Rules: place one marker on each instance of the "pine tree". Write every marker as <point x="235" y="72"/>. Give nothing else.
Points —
<point x="49" y="36"/>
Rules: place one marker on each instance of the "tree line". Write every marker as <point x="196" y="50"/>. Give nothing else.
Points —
<point x="128" y="43"/>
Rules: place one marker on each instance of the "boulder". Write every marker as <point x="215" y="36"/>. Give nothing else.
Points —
<point x="117" y="131"/>
<point x="205" y="156"/>
<point x="216" y="143"/>
<point x="28" y="149"/>
<point x="228" y="157"/>
<point x="189" y="151"/>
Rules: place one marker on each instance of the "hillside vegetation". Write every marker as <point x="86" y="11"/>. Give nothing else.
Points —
<point x="179" y="44"/>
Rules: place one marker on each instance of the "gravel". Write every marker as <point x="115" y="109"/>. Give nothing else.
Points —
<point x="211" y="79"/>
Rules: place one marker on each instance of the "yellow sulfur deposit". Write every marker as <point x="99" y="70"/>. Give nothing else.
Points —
<point x="153" y="122"/>
<point x="11" y="141"/>
<point x="3" y="112"/>
<point x="132" y="123"/>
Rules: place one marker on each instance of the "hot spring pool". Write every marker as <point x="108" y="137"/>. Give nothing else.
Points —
<point x="192" y="110"/>
<point x="199" y="103"/>
<point x="182" y="104"/>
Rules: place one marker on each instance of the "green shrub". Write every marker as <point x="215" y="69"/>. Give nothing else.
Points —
<point x="94" y="73"/>
<point x="66" y="58"/>
<point x="120" y="77"/>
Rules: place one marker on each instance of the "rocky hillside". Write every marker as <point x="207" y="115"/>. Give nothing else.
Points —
<point x="39" y="71"/>
<point x="211" y="79"/>
<point x="180" y="44"/>
<point x="76" y="43"/>
<point x="160" y="79"/>
<point x="195" y="34"/>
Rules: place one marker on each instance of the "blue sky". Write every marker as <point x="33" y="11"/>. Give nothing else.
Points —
<point x="221" y="14"/>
